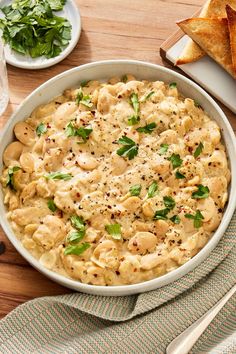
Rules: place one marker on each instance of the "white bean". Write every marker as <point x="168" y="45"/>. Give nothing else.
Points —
<point x="24" y="133"/>
<point x="12" y="153"/>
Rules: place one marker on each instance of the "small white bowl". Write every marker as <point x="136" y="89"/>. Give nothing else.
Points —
<point x="102" y="71"/>
<point x="71" y="12"/>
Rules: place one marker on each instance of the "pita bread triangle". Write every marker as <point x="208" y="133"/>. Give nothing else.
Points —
<point x="212" y="35"/>
<point x="231" y="15"/>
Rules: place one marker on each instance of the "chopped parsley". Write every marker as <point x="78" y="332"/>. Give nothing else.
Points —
<point x="77" y="222"/>
<point x="201" y="193"/>
<point x="169" y="202"/>
<point x="152" y="189"/>
<point x="173" y="85"/>
<point x="197" y="104"/>
<point x="10" y="174"/>
<point x="147" y="129"/>
<point x="150" y="94"/>
<point x="161" y="214"/>
<point x="198" y="150"/>
<point x="135" y="103"/>
<point x="129" y="148"/>
<point x="77" y="249"/>
<point x="83" y="99"/>
<point x="114" y="230"/>
<point x="179" y="175"/>
<point x="124" y="78"/>
<point x="175" y="160"/>
<point x="41" y="129"/>
<point x="58" y="175"/>
<point x="135" y="190"/>
<point x="84" y="83"/>
<point x="197" y="218"/>
<point x="31" y="28"/>
<point x="163" y="149"/>
<point x="51" y="205"/>
<point x="82" y="132"/>
<point x="75" y="236"/>
<point x="175" y="219"/>
<point x="133" y="120"/>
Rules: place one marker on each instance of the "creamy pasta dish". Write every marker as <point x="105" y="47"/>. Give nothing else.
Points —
<point x="116" y="183"/>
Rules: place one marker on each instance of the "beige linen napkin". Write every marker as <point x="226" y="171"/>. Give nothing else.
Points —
<point x="145" y="323"/>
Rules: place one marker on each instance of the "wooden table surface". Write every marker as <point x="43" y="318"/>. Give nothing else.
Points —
<point x="112" y="29"/>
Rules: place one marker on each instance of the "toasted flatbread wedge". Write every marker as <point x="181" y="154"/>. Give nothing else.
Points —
<point x="212" y="35"/>
<point x="231" y="15"/>
<point x="212" y="9"/>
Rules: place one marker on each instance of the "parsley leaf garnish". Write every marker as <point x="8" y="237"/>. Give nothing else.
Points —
<point x="152" y="189"/>
<point x="135" y="190"/>
<point x="124" y="78"/>
<point x="135" y="103"/>
<point x="77" y="222"/>
<point x="197" y="104"/>
<point x="147" y="97"/>
<point x="84" y="83"/>
<point x="147" y="129"/>
<point x="84" y="133"/>
<point x="51" y="205"/>
<point x="173" y="85"/>
<point x="114" y="230"/>
<point x="130" y="149"/>
<point x="10" y="173"/>
<point x="31" y="28"/>
<point x="133" y="120"/>
<point x="198" y="150"/>
<point x="58" y="175"/>
<point x="163" y="149"/>
<point x="75" y="236"/>
<point x="83" y="99"/>
<point x="197" y="218"/>
<point x="175" y="219"/>
<point x="169" y="202"/>
<point x="201" y="193"/>
<point x="179" y="175"/>
<point x="161" y="214"/>
<point x="77" y="249"/>
<point x="175" y="160"/>
<point x="41" y="129"/>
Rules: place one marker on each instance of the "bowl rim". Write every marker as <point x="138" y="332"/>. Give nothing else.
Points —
<point x="172" y="276"/>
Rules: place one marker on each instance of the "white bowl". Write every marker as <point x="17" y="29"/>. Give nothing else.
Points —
<point x="101" y="71"/>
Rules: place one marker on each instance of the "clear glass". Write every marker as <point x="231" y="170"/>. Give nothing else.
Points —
<point x="4" y="97"/>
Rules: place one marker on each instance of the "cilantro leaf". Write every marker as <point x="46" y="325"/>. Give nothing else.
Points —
<point x="130" y="149"/>
<point x="58" y="175"/>
<point x="152" y="189"/>
<point x="198" y="150"/>
<point x="135" y="103"/>
<point x="175" y="219"/>
<point x="169" y="202"/>
<point x="114" y="230"/>
<point x="147" y="129"/>
<point x="161" y="214"/>
<point x="76" y="249"/>
<point x="41" y="129"/>
<point x="201" y="193"/>
<point x="135" y="190"/>
<point x="51" y="205"/>
<point x="197" y="218"/>
<point x="175" y="160"/>
<point x="77" y="222"/>
<point x="163" y="149"/>
<point x="179" y="175"/>
<point x="173" y="85"/>
<point x="10" y="174"/>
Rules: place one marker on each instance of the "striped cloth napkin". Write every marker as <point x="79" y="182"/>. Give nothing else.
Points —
<point x="145" y="323"/>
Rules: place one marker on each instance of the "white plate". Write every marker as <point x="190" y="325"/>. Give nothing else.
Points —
<point x="71" y="12"/>
<point x="208" y="74"/>
<point x="102" y="71"/>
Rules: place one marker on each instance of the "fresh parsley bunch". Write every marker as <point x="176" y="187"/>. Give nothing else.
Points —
<point x="31" y="28"/>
